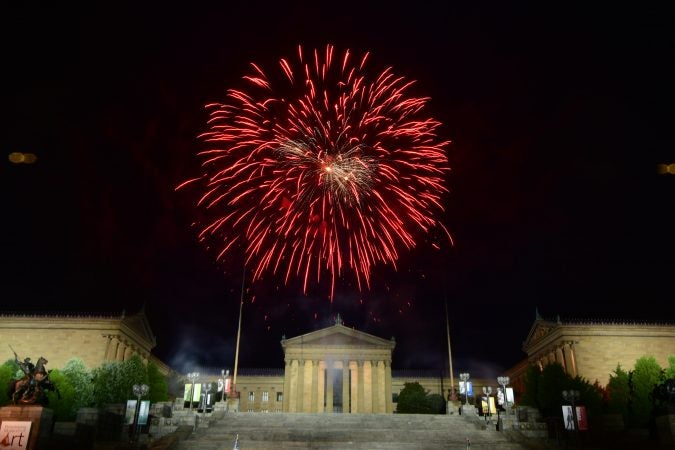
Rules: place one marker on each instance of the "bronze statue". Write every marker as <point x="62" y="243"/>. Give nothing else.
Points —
<point x="32" y="388"/>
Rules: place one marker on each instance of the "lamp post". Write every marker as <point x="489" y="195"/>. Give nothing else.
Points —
<point x="487" y="390"/>
<point x="192" y="376"/>
<point x="572" y="396"/>
<point x="465" y="379"/>
<point x="140" y="390"/>
<point x="504" y="381"/>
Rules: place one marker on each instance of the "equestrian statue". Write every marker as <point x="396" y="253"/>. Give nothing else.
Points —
<point x="32" y="388"/>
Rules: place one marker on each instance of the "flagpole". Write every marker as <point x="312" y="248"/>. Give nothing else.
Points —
<point x="236" y="352"/>
<point x="452" y="377"/>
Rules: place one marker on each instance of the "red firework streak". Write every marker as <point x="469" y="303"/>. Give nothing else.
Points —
<point x="323" y="170"/>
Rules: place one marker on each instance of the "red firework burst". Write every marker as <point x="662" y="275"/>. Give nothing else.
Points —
<point x="323" y="170"/>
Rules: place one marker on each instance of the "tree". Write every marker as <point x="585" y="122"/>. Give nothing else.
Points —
<point x="646" y="375"/>
<point x="113" y="382"/>
<point x="553" y="381"/>
<point x="7" y="376"/>
<point x="413" y="400"/>
<point x="531" y="395"/>
<point x="670" y="370"/>
<point x="619" y="392"/>
<point x="436" y="404"/>
<point x="159" y="386"/>
<point x="64" y="404"/>
<point x="80" y="377"/>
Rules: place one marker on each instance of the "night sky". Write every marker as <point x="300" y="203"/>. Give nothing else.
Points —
<point x="559" y="116"/>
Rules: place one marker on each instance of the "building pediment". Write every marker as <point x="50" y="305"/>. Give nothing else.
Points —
<point x="540" y="329"/>
<point x="139" y="328"/>
<point x="338" y="336"/>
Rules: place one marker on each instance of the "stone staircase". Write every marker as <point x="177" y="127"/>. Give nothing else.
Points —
<point x="346" y="431"/>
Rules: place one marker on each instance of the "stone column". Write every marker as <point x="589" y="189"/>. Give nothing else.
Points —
<point x="354" y="387"/>
<point x="287" y="386"/>
<point x="559" y="358"/>
<point x="374" y="385"/>
<point x="293" y="392"/>
<point x="128" y="352"/>
<point x="300" y="395"/>
<point x="369" y="383"/>
<point x="360" y="408"/>
<point x="573" y="360"/>
<point x="387" y="388"/>
<point x="315" y="386"/>
<point x="329" y="386"/>
<point x="382" y="405"/>
<point x="121" y="347"/>
<point x="345" y="386"/>
<point x="321" y="395"/>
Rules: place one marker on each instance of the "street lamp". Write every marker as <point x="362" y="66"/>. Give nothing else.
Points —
<point x="504" y="381"/>
<point x="192" y="376"/>
<point x="487" y="390"/>
<point x="465" y="379"/>
<point x="140" y="390"/>
<point x="572" y="396"/>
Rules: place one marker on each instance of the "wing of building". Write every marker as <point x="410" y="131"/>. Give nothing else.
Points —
<point x="93" y="338"/>
<point x="593" y="349"/>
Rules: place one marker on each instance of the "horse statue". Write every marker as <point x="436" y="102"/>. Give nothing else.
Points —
<point x="32" y="388"/>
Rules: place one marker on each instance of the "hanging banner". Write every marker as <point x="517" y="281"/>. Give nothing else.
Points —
<point x="143" y="412"/>
<point x="568" y="418"/>
<point x="461" y="387"/>
<point x="509" y="396"/>
<point x="582" y="418"/>
<point x="130" y="412"/>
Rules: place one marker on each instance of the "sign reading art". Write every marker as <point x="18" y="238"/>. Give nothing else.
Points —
<point x="14" y="435"/>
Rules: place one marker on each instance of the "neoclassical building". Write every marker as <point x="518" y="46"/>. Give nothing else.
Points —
<point x="93" y="338"/>
<point x="592" y="349"/>
<point x="338" y="369"/>
<point x="334" y="370"/>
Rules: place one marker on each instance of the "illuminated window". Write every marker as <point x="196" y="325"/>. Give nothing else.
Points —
<point x="265" y="396"/>
<point x="251" y="396"/>
<point x="280" y="397"/>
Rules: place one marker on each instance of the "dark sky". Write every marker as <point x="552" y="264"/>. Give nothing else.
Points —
<point x="559" y="116"/>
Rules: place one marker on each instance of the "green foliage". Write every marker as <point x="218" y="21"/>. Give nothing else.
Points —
<point x="437" y="404"/>
<point x="79" y="377"/>
<point x="551" y="384"/>
<point x="65" y="408"/>
<point x="7" y="371"/>
<point x="159" y="386"/>
<point x="413" y="400"/>
<point x="590" y="395"/>
<point x="113" y="382"/>
<point x="646" y="375"/>
<point x="670" y="370"/>
<point x="531" y="395"/>
<point x="619" y="392"/>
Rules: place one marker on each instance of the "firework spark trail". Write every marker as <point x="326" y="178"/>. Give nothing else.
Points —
<point x="321" y="169"/>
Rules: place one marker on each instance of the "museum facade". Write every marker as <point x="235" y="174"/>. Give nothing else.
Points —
<point x="338" y="369"/>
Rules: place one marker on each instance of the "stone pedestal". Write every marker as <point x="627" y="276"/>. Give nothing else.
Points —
<point x="468" y="410"/>
<point x="233" y="404"/>
<point x="42" y="421"/>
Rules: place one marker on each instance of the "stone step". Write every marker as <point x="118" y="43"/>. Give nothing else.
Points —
<point x="340" y="431"/>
